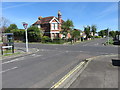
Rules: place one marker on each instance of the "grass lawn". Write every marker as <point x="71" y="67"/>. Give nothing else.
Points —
<point x="9" y="53"/>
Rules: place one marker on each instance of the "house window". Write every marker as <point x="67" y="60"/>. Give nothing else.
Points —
<point x="54" y="26"/>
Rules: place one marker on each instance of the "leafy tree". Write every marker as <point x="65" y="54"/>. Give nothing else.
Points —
<point x="66" y="27"/>
<point x="117" y="32"/>
<point x="75" y="34"/>
<point x="11" y="27"/>
<point x="101" y="33"/>
<point x="19" y="34"/>
<point x="87" y="31"/>
<point x="94" y="29"/>
<point x="34" y="34"/>
<point x="112" y="33"/>
<point x="106" y="31"/>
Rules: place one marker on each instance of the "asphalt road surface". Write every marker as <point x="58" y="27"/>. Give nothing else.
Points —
<point x="44" y="68"/>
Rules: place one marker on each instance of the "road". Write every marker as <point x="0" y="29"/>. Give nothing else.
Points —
<point x="44" y="68"/>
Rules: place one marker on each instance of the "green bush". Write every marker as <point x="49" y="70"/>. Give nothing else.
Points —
<point x="110" y="41"/>
<point x="58" y="41"/>
<point x="34" y="34"/>
<point x="34" y="37"/>
<point x="18" y="34"/>
<point x="98" y="37"/>
<point x="45" y="39"/>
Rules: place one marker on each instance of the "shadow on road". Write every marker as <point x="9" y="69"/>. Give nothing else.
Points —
<point x="115" y="62"/>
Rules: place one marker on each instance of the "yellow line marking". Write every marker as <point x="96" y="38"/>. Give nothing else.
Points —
<point x="67" y="75"/>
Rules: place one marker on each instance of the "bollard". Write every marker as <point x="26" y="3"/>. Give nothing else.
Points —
<point x="12" y="48"/>
<point x="1" y="50"/>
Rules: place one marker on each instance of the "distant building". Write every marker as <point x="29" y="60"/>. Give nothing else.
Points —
<point x="83" y="35"/>
<point x="91" y="33"/>
<point x="51" y="25"/>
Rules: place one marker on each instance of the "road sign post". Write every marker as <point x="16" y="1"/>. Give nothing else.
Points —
<point x="108" y="36"/>
<point x="25" y="26"/>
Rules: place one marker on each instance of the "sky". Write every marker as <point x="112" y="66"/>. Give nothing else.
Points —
<point x="102" y="14"/>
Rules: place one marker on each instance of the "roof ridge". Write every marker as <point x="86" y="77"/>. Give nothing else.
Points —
<point x="48" y="17"/>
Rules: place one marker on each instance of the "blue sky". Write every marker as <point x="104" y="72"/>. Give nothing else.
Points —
<point x="102" y="14"/>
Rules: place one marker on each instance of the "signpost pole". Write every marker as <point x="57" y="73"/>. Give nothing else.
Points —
<point x="108" y="36"/>
<point x="25" y="26"/>
<point x="26" y="40"/>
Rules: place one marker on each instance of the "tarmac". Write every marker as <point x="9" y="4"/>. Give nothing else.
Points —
<point x="101" y="72"/>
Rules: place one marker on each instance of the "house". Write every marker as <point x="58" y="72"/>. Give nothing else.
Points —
<point x="83" y="35"/>
<point x="51" y="25"/>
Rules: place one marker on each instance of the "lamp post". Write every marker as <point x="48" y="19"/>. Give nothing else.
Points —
<point x="25" y="26"/>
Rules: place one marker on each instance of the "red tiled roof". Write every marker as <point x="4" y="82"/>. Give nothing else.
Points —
<point x="45" y="20"/>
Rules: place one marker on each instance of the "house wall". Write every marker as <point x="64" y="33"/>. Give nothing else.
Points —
<point x="49" y="30"/>
<point x="54" y="30"/>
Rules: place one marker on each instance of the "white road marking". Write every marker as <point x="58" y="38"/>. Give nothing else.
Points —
<point x="85" y="45"/>
<point x="8" y="69"/>
<point x="81" y="51"/>
<point x="18" y="59"/>
<point x="67" y="51"/>
<point x="38" y="55"/>
<point x="96" y="44"/>
<point x="35" y="55"/>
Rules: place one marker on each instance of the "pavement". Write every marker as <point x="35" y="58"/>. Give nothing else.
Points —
<point x="101" y="72"/>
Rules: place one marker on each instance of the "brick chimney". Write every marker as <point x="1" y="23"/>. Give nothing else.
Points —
<point x="59" y="19"/>
<point x="40" y="17"/>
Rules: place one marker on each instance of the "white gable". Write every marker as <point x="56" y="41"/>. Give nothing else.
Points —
<point x="54" y="19"/>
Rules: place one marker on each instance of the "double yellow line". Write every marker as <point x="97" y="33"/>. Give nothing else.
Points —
<point x="68" y="75"/>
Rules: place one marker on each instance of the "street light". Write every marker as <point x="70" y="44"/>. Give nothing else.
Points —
<point x="25" y="26"/>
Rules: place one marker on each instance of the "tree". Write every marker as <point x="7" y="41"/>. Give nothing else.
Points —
<point x="94" y="29"/>
<point x="4" y="23"/>
<point x="112" y="33"/>
<point x="87" y="31"/>
<point x="66" y="27"/>
<point x="101" y="33"/>
<point x="75" y="34"/>
<point x="34" y="34"/>
<point x="106" y="31"/>
<point x="11" y="27"/>
<point x="117" y="32"/>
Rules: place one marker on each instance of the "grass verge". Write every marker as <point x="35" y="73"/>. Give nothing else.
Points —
<point x="12" y="54"/>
